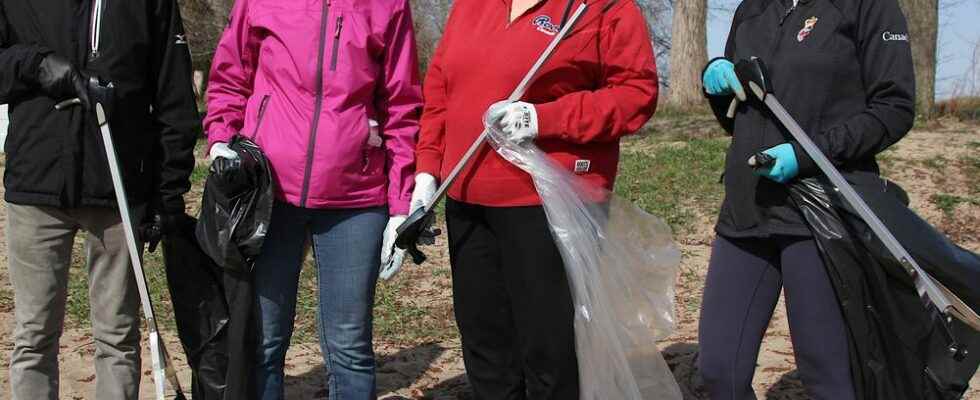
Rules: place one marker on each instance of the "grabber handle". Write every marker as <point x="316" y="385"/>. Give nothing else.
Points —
<point x="752" y="73"/>
<point x="732" y="107"/>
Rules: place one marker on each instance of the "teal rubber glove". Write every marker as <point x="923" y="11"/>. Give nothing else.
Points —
<point x="719" y="79"/>
<point x="783" y="166"/>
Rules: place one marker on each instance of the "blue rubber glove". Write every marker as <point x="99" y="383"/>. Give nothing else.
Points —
<point x="720" y="80"/>
<point x="784" y="168"/>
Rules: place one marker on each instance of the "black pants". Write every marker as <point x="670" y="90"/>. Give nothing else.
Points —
<point x="513" y="303"/>
<point x="741" y="292"/>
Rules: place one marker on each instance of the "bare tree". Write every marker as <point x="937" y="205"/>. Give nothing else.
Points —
<point x="689" y="43"/>
<point x="204" y="20"/>
<point x="430" y="19"/>
<point x="923" y="18"/>
<point x="657" y="15"/>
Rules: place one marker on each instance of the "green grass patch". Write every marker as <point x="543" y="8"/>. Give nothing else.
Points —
<point x="401" y="316"/>
<point x="675" y="181"/>
<point x="971" y="167"/>
<point x="671" y="125"/>
<point x="398" y="315"/>
<point x="937" y="164"/>
<point x="947" y="203"/>
<point x="200" y="173"/>
<point x="6" y="299"/>
<point x="78" y="307"/>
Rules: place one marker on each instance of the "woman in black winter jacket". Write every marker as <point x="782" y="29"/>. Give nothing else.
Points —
<point x="843" y="69"/>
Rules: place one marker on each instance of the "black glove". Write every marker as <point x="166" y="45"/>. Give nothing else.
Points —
<point x="153" y="231"/>
<point x="60" y="80"/>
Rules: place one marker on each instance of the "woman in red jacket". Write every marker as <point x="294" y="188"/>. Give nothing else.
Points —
<point x="511" y="296"/>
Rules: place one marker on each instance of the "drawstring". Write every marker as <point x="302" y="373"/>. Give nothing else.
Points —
<point x="564" y="16"/>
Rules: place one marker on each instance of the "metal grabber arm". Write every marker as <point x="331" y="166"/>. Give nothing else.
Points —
<point x="101" y="95"/>
<point x="753" y="76"/>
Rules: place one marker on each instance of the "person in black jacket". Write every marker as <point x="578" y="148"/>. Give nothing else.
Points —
<point x="843" y="69"/>
<point x="57" y="180"/>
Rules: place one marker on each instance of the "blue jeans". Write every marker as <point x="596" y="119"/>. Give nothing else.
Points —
<point x="347" y="249"/>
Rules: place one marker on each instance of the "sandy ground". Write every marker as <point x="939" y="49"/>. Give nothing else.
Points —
<point x="435" y="371"/>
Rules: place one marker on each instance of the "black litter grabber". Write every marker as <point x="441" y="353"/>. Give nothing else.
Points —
<point x="752" y="74"/>
<point x="416" y="225"/>
<point x="101" y="95"/>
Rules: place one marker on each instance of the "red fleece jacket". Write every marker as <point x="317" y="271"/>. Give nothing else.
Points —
<point x="599" y="85"/>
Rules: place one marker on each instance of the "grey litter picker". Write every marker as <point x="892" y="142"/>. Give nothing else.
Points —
<point x="752" y="74"/>
<point x="415" y="226"/>
<point x="101" y="95"/>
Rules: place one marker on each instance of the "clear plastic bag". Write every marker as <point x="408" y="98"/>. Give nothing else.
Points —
<point x="622" y="265"/>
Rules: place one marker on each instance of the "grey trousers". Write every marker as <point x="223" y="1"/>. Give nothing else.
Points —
<point x="39" y="245"/>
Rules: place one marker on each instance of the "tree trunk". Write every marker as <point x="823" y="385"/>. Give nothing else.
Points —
<point x="688" y="52"/>
<point x="923" y="18"/>
<point x="204" y="21"/>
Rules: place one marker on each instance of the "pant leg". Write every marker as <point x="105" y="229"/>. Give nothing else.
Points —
<point x="39" y="244"/>
<point x="816" y="323"/>
<point x="482" y="306"/>
<point x="276" y="275"/>
<point x="740" y="294"/>
<point x="115" y="304"/>
<point x="347" y="247"/>
<point x="541" y="299"/>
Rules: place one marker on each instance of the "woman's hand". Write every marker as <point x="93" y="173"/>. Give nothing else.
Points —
<point x="719" y="79"/>
<point x="391" y="256"/>
<point x="221" y="150"/>
<point x="781" y="164"/>
<point x="518" y="120"/>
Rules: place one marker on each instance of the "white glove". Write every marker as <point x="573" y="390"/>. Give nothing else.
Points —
<point x="518" y="121"/>
<point x="391" y="256"/>
<point x="221" y="150"/>
<point x="425" y="190"/>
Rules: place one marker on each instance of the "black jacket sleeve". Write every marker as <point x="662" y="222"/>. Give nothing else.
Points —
<point x="18" y="62"/>
<point x="174" y="108"/>
<point x="719" y="104"/>
<point x="886" y="68"/>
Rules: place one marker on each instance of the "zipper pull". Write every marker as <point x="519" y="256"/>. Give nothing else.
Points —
<point x="340" y="26"/>
<point x="786" y="15"/>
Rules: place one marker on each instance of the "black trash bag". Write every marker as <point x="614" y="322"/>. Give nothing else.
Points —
<point x="899" y="347"/>
<point x="212" y="308"/>
<point x="237" y="206"/>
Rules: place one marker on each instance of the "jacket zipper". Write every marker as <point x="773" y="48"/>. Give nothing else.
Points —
<point x="324" y="14"/>
<point x="95" y="29"/>
<point x="775" y="47"/>
<point x="258" y="123"/>
<point x="786" y="14"/>
<point x="336" y="43"/>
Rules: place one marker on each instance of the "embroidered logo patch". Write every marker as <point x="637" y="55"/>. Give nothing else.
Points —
<point x="895" y="37"/>
<point x="808" y="26"/>
<point x="582" y="166"/>
<point x="544" y="24"/>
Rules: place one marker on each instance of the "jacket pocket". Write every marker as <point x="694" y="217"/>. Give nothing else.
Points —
<point x="339" y="27"/>
<point x="372" y="150"/>
<point x="258" y="119"/>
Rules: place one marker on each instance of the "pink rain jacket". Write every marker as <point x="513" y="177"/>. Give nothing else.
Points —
<point x="304" y="78"/>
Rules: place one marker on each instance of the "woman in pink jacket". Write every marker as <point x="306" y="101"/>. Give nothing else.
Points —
<point x="330" y="90"/>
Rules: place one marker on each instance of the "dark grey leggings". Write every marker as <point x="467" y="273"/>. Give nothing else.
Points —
<point x="740" y="294"/>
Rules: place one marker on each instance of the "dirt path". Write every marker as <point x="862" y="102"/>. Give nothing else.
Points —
<point x="435" y="371"/>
